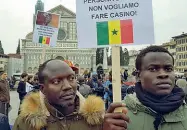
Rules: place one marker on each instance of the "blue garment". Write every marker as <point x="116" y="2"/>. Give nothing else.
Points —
<point x="4" y="124"/>
<point x="106" y="85"/>
<point x="107" y="92"/>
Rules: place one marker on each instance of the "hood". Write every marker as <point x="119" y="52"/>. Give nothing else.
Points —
<point x="34" y="111"/>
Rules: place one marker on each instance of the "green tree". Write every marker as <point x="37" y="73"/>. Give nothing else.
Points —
<point x="121" y="57"/>
<point x="126" y="57"/>
<point x="109" y="60"/>
<point x="99" y="56"/>
<point x="1" y="48"/>
<point x="18" y="48"/>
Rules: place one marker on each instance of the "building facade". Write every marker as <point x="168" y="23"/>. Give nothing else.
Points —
<point x="171" y="47"/>
<point x="66" y="47"/>
<point x="178" y="48"/>
<point x="181" y="52"/>
<point x="15" y="64"/>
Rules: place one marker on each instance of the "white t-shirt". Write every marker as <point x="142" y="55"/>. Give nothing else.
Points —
<point x="29" y="87"/>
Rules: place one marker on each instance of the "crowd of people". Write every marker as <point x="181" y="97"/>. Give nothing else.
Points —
<point x="58" y="99"/>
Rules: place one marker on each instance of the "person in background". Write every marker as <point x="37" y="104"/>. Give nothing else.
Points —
<point x="11" y="83"/>
<point x="182" y="83"/>
<point x="93" y="82"/>
<point x="30" y="79"/>
<point x="125" y="75"/>
<point x="157" y="103"/>
<point x="4" y="93"/>
<point x="4" y="124"/>
<point x="36" y="84"/>
<point x="84" y="89"/>
<point x="22" y="87"/>
<point x="106" y="91"/>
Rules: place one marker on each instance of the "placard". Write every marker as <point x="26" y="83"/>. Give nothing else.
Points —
<point x="102" y="23"/>
<point x="46" y="28"/>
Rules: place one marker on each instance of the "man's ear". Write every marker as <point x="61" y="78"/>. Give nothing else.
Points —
<point x="138" y="74"/>
<point x="42" y="88"/>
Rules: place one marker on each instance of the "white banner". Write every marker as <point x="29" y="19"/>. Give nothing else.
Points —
<point x="101" y="23"/>
<point x="46" y="28"/>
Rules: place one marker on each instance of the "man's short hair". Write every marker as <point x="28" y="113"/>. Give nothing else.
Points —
<point x="147" y="50"/>
<point x="41" y="76"/>
<point x="30" y="77"/>
<point x="23" y="75"/>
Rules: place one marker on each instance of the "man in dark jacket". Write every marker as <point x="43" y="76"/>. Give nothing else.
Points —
<point x="4" y="125"/>
<point x="22" y="87"/>
<point x="125" y="76"/>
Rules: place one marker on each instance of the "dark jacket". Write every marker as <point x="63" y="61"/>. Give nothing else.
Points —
<point x="21" y="90"/>
<point x="4" y="125"/>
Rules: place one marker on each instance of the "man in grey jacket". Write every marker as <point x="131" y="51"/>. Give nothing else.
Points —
<point x="84" y="89"/>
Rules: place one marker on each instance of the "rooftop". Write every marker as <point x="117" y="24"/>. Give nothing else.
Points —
<point x="180" y="36"/>
<point x="168" y="44"/>
<point x="18" y="56"/>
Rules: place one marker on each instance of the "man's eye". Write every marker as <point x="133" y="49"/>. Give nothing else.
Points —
<point x="169" y="69"/>
<point x="152" y="69"/>
<point x="56" y="81"/>
<point x="71" y="78"/>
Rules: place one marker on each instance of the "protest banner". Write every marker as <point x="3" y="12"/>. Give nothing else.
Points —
<point x="46" y="30"/>
<point x="104" y="23"/>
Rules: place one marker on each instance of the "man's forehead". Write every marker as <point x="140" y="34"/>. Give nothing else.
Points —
<point x="157" y="58"/>
<point x="57" y="68"/>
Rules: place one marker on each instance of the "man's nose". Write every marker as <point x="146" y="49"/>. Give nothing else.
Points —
<point x="66" y="86"/>
<point x="163" y="74"/>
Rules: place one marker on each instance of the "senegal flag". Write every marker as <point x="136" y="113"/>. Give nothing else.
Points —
<point x="115" y="32"/>
<point x="44" y="40"/>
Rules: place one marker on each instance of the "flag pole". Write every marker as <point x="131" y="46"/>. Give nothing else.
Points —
<point x="43" y="53"/>
<point x="116" y="78"/>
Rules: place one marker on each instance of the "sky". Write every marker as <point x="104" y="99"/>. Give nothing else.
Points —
<point x="170" y="19"/>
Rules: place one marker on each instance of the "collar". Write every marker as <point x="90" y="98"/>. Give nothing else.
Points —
<point x="136" y="106"/>
<point x="57" y="114"/>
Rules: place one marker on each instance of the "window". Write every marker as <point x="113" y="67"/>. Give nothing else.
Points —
<point x="64" y="25"/>
<point x="172" y="47"/>
<point x="179" y="41"/>
<point x="72" y="31"/>
<point x="183" y="40"/>
<point x="179" y="56"/>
